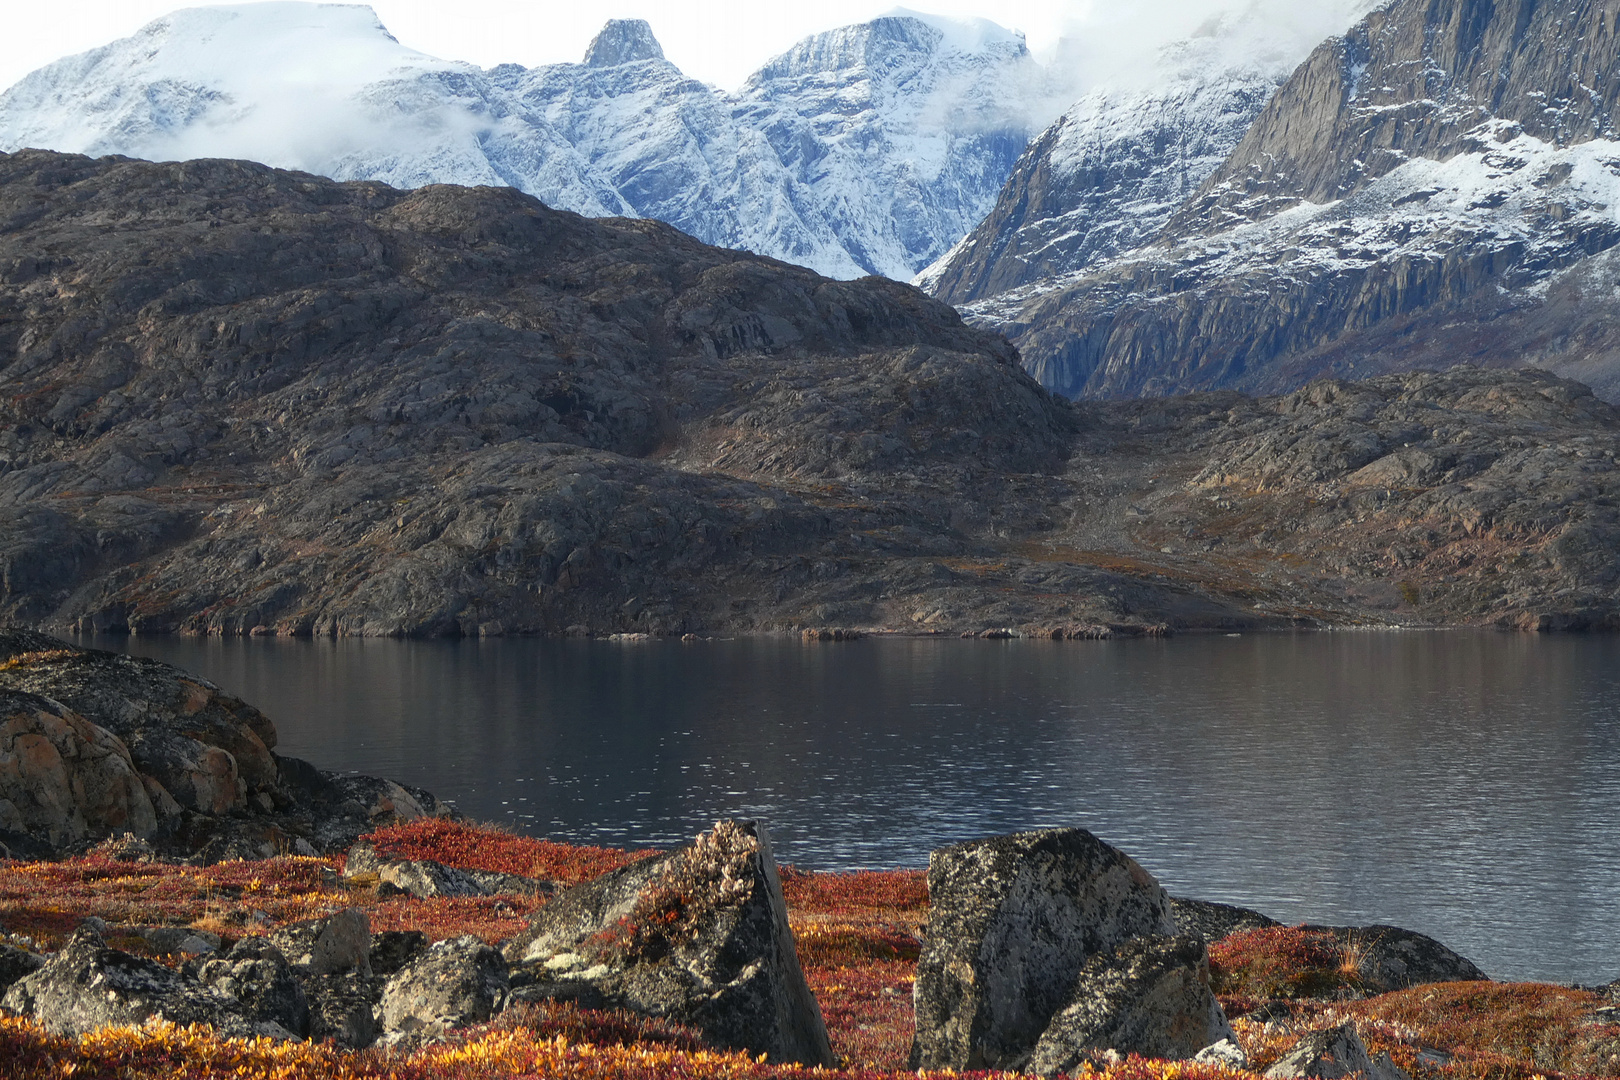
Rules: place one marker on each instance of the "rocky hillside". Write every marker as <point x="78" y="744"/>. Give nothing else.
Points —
<point x="236" y="400"/>
<point x="870" y="149"/>
<point x="1436" y="186"/>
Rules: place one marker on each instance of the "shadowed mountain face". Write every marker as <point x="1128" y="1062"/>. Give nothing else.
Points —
<point x="1437" y="186"/>
<point x="238" y="400"/>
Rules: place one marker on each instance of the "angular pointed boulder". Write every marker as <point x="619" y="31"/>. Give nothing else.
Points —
<point x="699" y="936"/>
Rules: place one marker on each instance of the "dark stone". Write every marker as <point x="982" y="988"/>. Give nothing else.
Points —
<point x="332" y="945"/>
<point x="454" y="983"/>
<point x="422" y="878"/>
<point x="1212" y="922"/>
<point x="1390" y="958"/>
<point x="1012" y="921"/>
<point x="257" y="976"/>
<point x="16" y="963"/>
<point x="343" y="1008"/>
<point x="391" y="950"/>
<point x="1151" y="997"/>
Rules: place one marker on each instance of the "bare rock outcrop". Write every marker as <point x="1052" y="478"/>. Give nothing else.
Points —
<point x="257" y="976"/>
<point x="1013" y="920"/>
<point x="64" y="779"/>
<point x="87" y="986"/>
<point x="699" y="936"/>
<point x="1151" y="997"/>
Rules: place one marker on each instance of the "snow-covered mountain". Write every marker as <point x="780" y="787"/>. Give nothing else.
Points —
<point x="1108" y="175"/>
<point x="869" y="149"/>
<point x="1439" y="185"/>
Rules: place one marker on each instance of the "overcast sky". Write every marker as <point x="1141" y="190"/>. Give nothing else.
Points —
<point x="717" y="41"/>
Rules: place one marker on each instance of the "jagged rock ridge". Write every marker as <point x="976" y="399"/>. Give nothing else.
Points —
<point x="1431" y="188"/>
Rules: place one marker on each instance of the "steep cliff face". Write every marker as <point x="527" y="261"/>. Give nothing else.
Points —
<point x="1422" y="192"/>
<point x="870" y="149"/>
<point x="1108" y="176"/>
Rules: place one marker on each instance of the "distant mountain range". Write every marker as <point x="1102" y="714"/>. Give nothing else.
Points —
<point x="865" y="150"/>
<point x="1440" y="185"/>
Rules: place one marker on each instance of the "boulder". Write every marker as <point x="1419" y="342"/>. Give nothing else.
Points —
<point x="1149" y="997"/>
<point x="1013" y="919"/>
<point x="1212" y="921"/>
<point x="331" y="946"/>
<point x="454" y="983"/>
<point x="17" y="963"/>
<point x="1329" y="1054"/>
<point x="391" y="950"/>
<point x="699" y="936"/>
<point x="184" y="940"/>
<point x="63" y="778"/>
<point x="343" y="1009"/>
<point x="1226" y="1053"/>
<point x="422" y="878"/>
<point x="87" y="986"/>
<point x="258" y="977"/>
<point x="1389" y="958"/>
<point x="184" y="732"/>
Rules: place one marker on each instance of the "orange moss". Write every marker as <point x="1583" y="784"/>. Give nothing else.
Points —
<point x="490" y="847"/>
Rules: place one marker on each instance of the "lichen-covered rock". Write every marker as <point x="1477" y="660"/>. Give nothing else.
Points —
<point x="343" y="1009"/>
<point x="1150" y="996"/>
<point x="1333" y="1053"/>
<point x="454" y="983"/>
<point x="336" y="944"/>
<point x="183" y="731"/>
<point x="1212" y="921"/>
<point x="259" y="978"/>
<point x="699" y="936"/>
<point x="1012" y="921"/>
<point x="63" y="778"/>
<point x="87" y="986"/>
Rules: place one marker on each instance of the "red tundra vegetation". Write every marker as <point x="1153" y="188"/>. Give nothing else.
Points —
<point x="858" y="936"/>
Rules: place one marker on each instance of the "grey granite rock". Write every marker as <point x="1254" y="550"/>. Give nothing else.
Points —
<point x="257" y="976"/>
<point x="1150" y="996"/>
<point x="1013" y="919"/>
<point x="1331" y="1054"/>
<point x="1212" y="921"/>
<point x="454" y="983"/>
<point x="332" y="945"/>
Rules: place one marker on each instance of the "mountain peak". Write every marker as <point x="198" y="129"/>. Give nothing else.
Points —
<point x="623" y="41"/>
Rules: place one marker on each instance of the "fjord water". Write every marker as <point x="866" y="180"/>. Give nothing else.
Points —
<point x="1463" y="784"/>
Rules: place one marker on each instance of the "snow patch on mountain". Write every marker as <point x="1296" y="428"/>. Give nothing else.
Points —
<point x="868" y="149"/>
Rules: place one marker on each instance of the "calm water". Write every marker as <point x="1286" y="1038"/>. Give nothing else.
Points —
<point x="1463" y="784"/>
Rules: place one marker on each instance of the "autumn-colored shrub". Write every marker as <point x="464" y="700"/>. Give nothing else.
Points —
<point x="1282" y="962"/>
<point x="889" y="891"/>
<point x="600" y="1027"/>
<point x="491" y="847"/>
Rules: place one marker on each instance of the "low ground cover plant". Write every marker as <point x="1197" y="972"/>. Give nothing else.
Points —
<point x="859" y="936"/>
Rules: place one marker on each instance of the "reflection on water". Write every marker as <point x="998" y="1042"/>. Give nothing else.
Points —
<point x="1461" y="784"/>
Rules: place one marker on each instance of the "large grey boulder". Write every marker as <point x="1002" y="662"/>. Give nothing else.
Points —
<point x="454" y="983"/>
<point x="1333" y="1053"/>
<point x="1151" y="997"/>
<point x="258" y="977"/>
<point x="87" y="986"/>
<point x="1013" y="919"/>
<point x="699" y="936"/>
<point x="343" y="1009"/>
<point x="422" y="878"/>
